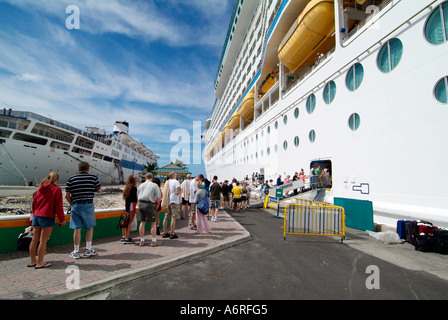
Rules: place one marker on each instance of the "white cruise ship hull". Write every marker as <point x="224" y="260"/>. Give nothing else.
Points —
<point x="393" y="157"/>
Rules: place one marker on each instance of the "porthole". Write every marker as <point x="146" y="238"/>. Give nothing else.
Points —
<point x="311" y="103"/>
<point x="269" y="129"/>
<point x="285" y="119"/>
<point x="268" y="151"/>
<point x="296" y="141"/>
<point x="285" y="145"/>
<point x="354" y="121"/>
<point x="329" y="92"/>
<point x="276" y="148"/>
<point x="276" y="125"/>
<point x="390" y="55"/>
<point x="436" y="28"/>
<point x="354" y="76"/>
<point x="441" y="90"/>
<point x="312" y="136"/>
<point x="296" y="113"/>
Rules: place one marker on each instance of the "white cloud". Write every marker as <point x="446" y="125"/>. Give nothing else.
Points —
<point x="138" y="19"/>
<point x="29" y="77"/>
<point x="55" y="73"/>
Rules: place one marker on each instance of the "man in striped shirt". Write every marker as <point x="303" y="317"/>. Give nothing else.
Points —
<point x="79" y="192"/>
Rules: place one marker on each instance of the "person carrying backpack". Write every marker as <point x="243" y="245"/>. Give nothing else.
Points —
<point x="202" y="210"/>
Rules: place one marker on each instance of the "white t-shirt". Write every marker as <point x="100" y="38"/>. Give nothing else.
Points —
<point x="174" y="198"/>
<point x="186" y="189"/>
<point x="193" y="189"/>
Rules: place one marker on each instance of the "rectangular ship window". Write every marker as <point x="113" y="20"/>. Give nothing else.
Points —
<point x="31" y="139"/>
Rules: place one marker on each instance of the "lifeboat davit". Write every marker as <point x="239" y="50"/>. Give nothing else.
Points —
<point x="309" y="35"/>
<point x="246" y="110"/>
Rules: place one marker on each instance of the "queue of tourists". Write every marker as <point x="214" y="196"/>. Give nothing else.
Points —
<point x="196" y="199"/>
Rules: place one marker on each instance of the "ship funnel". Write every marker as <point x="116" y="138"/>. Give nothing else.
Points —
<point x="121" y="126"/>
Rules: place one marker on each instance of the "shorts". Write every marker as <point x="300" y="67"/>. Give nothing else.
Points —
<point x="146" y="212"/>
<point x="133" y="206"/>
<point x="226" y="197"/>
<point x="185" y="202"/>
<point x="158" y="204"/>
<point x="193" y="207"/>
<point x="172" y="211"/>
<point x="243" y="198"/>
<point x="236" y="200"/>
<point x="214" y="204"/>
<point x="82" y="215"/>
<point x="43" y="222"/>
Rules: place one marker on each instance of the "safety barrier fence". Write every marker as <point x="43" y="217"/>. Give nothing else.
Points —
<point x="314" y="220"/>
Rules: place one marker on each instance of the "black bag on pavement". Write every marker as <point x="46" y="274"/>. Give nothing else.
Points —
<point x="424" y="243"/>
<point x="24" y="240"/>
<point x="411" y="232"/>
<point x="440" y="241"/>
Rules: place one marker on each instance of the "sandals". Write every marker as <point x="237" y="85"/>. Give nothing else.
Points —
<point x="46" y="265"/>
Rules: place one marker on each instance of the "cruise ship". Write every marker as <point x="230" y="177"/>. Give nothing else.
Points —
<point x="32" y="145"/>
<point x="358" y="88"/>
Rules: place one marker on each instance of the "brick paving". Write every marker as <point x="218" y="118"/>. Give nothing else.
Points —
<point x="114" y="263"/>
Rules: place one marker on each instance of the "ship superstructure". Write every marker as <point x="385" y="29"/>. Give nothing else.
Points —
<point x="358" y="88"/>
<point x="32" y="145"/>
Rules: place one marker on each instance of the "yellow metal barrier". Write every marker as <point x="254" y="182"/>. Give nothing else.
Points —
<point x="314" y="220"/>
<point x="303" y="201"/>
<point x="317" y="203"/>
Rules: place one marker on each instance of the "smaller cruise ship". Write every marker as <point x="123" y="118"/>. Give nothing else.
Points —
<point x="32" y="145"/>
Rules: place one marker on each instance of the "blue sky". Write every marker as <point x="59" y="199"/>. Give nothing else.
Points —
<point x="151" y="63"/>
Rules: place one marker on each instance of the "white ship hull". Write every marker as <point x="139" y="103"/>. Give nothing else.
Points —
<point x="32" y="146"/>
<point x="393" y="158"/>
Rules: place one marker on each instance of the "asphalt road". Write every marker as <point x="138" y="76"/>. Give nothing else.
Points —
<point x="268" y="268"/>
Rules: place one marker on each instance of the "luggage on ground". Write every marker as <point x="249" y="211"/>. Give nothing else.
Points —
<point x="424" y="243"/>
<point x="441" y="241"/>
<point x="401" y="228"/>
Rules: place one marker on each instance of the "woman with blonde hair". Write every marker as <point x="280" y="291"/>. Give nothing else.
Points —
<point x="130" y="197"/>
<point x="47" y="204"/>
<point x="201" y="218"/>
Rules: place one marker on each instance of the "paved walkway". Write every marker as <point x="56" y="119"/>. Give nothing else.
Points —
<point x="115" y="262"/>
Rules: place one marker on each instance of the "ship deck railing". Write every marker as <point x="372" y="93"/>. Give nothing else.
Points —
<point x="367" y="19"/>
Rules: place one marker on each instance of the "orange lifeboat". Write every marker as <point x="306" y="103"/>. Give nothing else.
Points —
<point x="267" y="84"/>
<point x="234" y="122"/>
<point x="309" y="35"/>
<point x="246" y="110"/>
